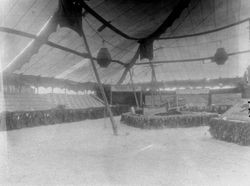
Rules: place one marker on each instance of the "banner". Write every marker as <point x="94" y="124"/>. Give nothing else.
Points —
<point x="125" y="88"/>
<point x="192" y="91"/>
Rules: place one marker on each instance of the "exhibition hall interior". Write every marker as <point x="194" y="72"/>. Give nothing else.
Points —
<point x="124" y="92"/>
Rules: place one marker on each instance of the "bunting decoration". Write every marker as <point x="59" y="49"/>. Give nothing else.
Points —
<point x="146" y="49"/>
<point x="69" y="14"/>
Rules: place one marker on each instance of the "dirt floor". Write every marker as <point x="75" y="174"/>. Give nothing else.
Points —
<point x="86" y="153"/>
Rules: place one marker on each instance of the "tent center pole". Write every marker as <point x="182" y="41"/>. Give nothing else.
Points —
<point x="114" y="126"/>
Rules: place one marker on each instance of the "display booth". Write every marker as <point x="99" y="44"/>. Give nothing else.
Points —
<point x="234" y="125"/>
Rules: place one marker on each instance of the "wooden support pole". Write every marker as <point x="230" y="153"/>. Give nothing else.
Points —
<point x="114" y="126"/>
<point x="111" y="96"/>
<point x="153" y="84"/>
<point x="129" y="65"/>
<point x="141" y="101"/>
<point x="209" y="98"/>
<point x="177" y="102"/>
<point x="133" y="87"/>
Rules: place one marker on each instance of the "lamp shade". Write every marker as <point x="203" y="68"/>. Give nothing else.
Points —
<point x="220" y="56"/>
<point x="103" y="58"/>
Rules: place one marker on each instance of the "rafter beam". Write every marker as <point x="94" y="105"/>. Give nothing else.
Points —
<point x="105" y="22"/>
<point x="129" y="66"/>
<point x="190" y="60"/>
<point x="205" y="32"/>
<point x="49" y="43"/>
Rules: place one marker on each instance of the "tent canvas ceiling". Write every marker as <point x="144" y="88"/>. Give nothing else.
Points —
<point x="136" y="19"/>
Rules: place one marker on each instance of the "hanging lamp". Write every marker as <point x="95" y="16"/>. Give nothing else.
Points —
<point x="220" y="57"/>
<point x="103" y="57"/>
